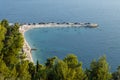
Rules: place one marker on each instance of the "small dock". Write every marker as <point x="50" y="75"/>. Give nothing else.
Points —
<point x="33" y="49"/>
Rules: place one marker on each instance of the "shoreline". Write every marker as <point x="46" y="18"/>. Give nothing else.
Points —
<point x="25" y="27"/>
<point x="27" y="50"/>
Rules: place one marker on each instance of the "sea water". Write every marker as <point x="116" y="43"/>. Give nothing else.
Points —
<point x="86" y="43"/>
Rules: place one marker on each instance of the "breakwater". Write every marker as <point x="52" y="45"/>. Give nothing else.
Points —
<point x="25" y="27"/>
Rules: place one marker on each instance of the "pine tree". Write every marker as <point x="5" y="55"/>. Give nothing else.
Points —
<point x="75" y="71"/>
<point x="2" y="36"/>
<point x="60" y="70"/>
<point x="116" y="75"/>
<point x="23" y="71"/>
<point x="4" y="71"/>
<point x="99" y="70"/>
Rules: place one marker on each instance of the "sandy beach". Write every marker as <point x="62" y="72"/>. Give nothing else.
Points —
<point x="27" y="49"/>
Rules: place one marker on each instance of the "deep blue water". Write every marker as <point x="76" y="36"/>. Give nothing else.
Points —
<point x="86" y="43"/>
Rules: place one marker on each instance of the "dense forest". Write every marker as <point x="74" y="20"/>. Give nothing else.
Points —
<point x="13" y="65"/>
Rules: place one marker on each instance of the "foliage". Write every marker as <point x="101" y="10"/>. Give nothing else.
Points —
<point x="99" y="70"/>
<point x="13" y="66"/>
<point x="11" y="42"/>
<point x="22" y="69"/>
<point x="2" y="36"/>
<point x="116" y="75"/>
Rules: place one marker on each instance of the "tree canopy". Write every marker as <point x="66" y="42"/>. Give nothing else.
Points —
<point x="14" y="67"/>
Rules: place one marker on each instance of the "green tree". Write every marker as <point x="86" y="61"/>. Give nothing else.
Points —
<point x="39" y="69"/>
<point x="60" y="70"/>
<point x="12" y="45"/>
<point x="50" y="62"/>
<point x="4" y="71"/>
<point x="32" y="70"/>
<point x="116" y="75"/>
<point x="13" y="73"/>
<point x="80" y="73"/>
<point x="23" y="71"/>
<point x="75" y="71"/>
<point x="5" y="23"/>
<point x="48" y="68"/>
<point x="71" y="60"/>
<point x="2" y="36"/>
<point x="68" y="69"/>
<point x="99" y="70"/>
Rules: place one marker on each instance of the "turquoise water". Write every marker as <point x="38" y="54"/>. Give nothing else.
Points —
<point x="86" y="43"/>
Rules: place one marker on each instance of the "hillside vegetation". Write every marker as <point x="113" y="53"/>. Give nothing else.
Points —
<point x="13" y="65"/>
